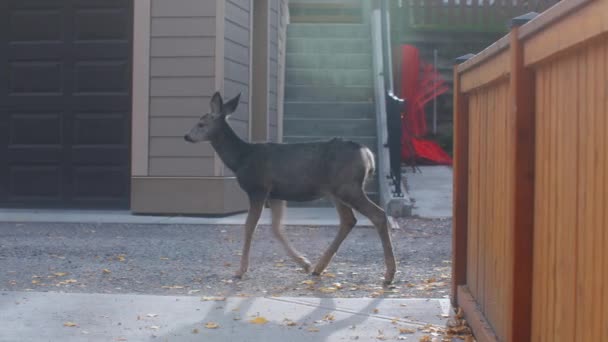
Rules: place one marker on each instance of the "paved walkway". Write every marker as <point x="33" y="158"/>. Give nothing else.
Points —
<point x="431" y="190"/>
<point x="293" y="216"/>
<point x="37" y="316"/>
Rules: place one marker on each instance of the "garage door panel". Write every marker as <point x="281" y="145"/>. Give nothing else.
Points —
<point x="35" y="182"/>
<point x="92" y="155"/>
<point x="21" y="154"/>
<point x="105" y="77"/>
<point x="24" y="25"/>
<point x="65" y="103"/>
<point x="99" y="183"/>
<point x="36" y="78"/>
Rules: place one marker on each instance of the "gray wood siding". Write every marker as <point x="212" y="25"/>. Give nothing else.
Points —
<point x="237" y="52"/>
<point x="182" y="77"/>
<point x="273" y="69"/>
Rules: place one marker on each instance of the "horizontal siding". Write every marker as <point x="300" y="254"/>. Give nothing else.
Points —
<point x="183" y="27"/>
<point x="273" y="69"/>
<point x="182" y="47"/>
<point x="181" y="166"/>
<point x="182" y="79"/>
<point x="179" y="106"/>
<point x="237" y="54"/>
<point x="166" y="147"/>
<point x="182" y="66"/>
<point x="183" y="8"/>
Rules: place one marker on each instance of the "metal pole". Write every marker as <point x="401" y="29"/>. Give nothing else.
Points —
<point x="435" y="95"/>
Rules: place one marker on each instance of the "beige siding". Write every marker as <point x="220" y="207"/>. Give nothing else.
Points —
<point x="182" y="77"/>
<point x="237" y="52"/>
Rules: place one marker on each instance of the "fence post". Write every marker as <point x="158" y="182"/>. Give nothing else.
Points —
<point x="522" y="92"/>
<point x="461" y="184"/>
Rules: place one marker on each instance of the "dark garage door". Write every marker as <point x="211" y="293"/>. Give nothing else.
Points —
<point x="65" y="102"/>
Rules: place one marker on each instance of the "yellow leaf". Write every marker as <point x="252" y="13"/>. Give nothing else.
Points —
<point x="121" y="257"/>
<point x="337" y="285"/>
<point x="211" y="325"/>
<point x="213" y="299"/>
<point x="172" y="287"/>
<point x="70" y="324"/>
<point x="60" y="274"/>
<point x="328" y="275"/>
<point x="35" y="281"/>
<point x="308" y="282"/>
<point x="279" y="264"/>
<point x="106" y="271"/>
<point x="406" y="331"/>
<point x="328" y="289"/>
<point x="259" y="320"/>
<point x="164" y="258"/>
<point x="313" y="329"/>
<point x="426" y="338"/>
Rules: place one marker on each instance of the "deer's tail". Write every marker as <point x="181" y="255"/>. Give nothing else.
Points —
<point x="368" y="155"/>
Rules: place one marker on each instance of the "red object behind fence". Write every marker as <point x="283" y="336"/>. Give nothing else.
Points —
<point x="420" y="83"/>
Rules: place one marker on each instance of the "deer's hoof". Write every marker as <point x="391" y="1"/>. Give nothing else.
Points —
<point x="238" y="276"/>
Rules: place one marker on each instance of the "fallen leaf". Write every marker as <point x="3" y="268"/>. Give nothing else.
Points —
<point x="425" y="338"/>
<point x="120" y="339"/>
<point x="66" y="282"/>
<point x="329" y="317"/>
<point x="195" y="331"/>
<point x="290" y="323"/>
<point x="328" y="275"/>
<point x="328" y="289"/>
<point x="212" y="299"/>
<point x="313" y="329"/>
<point x="106" y="271"/>
<point x="164" y="258"/>
<point x="60" y="274"/>
<point x="211" y="325"/>
<point x="154" y="327"/>
<point x="258" y="320"/>
<point x="121" y="257"/>
<point x="172" y="287"/>
<point x="406" y="331"/>
<point x="279" y="264"/>
<point x="308" y="282"/>
<point x="35" y="281"/>
<point x="376" y="311"/>
<point x="152" y="315"/>
<point x="70" y="324"/>
<point x="337" y="285"/>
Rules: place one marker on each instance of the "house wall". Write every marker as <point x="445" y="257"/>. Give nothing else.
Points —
<point x="179" y="63"/>
<point x="273" y="69"/>
<point x="182" y="77"/>
<point x="237" y="60"/>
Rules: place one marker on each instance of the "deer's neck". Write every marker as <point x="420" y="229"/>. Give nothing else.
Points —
<point x="231" y="149"/>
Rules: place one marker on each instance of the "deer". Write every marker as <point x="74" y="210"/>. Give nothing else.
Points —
<point x="273" y="173"/>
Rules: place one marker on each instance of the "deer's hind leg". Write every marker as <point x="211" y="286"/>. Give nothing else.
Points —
<point x="278" y="210"/>
<point x="347" y="222"/>
<point x="356" y="198"/>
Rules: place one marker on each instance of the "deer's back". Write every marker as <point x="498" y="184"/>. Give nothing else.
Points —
<point x="302" y="171"/>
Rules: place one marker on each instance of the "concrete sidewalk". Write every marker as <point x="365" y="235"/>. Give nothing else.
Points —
<point x="38" y="316"/>
<point x="293" y="216"/>
<point x="431" y="191"/>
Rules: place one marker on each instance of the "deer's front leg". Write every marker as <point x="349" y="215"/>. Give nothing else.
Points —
<point x="256" y="205"/>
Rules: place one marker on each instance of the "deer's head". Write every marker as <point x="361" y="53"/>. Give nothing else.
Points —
<point x="209" y="124"/>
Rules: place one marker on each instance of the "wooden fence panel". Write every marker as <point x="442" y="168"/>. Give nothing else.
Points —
<point x="571" y="200"/>
<point x="535" y="215"/>
<point x="491" y="134"/>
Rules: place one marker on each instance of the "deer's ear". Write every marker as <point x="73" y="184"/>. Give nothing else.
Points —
<point x="230" y="106"/>
<point x="216" y="103"/>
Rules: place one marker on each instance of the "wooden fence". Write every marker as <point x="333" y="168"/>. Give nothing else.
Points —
<point x="470" y="15"/>
<point x="530" y="259"/>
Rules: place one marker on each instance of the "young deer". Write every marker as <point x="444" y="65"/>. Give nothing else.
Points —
<point x="277" y="173"/>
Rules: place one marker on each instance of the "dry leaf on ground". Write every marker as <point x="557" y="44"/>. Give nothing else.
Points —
<point x="212" y="299"/>
<point x="70" y="324"/>
<point x="211" y="325"/>
<point x="258" y="320"/>
<point x="328" y="289"/>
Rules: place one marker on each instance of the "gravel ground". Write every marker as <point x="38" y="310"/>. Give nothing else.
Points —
<point x="200" y="260"/>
